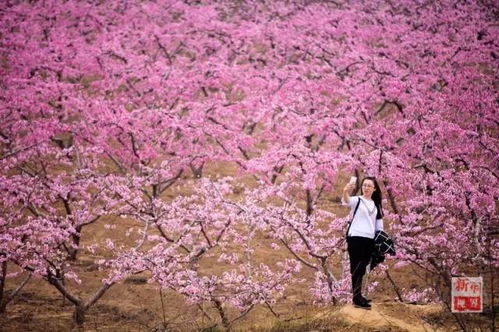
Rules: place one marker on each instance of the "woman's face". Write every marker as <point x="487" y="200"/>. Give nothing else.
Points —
<point x="368" y="188"/>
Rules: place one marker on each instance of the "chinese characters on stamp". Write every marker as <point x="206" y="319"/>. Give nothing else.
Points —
<point x="467" y="294"/>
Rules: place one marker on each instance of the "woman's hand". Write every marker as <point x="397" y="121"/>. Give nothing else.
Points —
<point x="349" y="187"/>
<point x="346" y="192"/>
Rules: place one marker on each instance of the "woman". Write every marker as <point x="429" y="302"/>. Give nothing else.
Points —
<point x="367" y="218"/>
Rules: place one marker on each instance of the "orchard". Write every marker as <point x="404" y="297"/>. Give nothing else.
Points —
<point x="201" y="133"/>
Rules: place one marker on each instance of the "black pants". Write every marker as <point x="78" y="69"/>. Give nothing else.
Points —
<point x="360" y="250"/>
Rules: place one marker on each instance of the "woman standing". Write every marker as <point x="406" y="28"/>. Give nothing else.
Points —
<point x="367" y="218"/>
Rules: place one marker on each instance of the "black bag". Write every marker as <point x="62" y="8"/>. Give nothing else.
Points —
<point x="383" y="244"/>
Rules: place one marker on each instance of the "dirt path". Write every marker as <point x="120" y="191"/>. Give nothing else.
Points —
<point x="384" y="317"/>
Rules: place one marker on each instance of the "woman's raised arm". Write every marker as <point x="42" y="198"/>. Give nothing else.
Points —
<point x="346" y="192"/>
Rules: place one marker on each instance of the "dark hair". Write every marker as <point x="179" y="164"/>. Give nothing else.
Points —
<point x="376" y="197"/>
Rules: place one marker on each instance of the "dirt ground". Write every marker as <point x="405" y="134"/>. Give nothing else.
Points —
<point x="136" y="306"/>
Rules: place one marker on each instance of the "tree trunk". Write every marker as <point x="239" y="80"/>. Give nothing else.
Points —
<point x="310" y="202"/>
<point x="79" y="314"/>
<point x="73" y="252"/>
<point x="223" y="315"/>
<point x="4" y="299"/>
<point x="3" y="279"/>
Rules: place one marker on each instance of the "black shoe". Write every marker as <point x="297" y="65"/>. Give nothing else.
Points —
<point x="362" y="304"/>
<point x="366" y="300"/>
